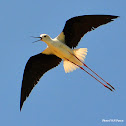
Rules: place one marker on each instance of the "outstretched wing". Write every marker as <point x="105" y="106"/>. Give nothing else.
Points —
<point x="36" y="66"/>
<point x="76" y="27"/>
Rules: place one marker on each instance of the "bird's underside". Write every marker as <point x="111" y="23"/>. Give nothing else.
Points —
<point x="75" y="28"/>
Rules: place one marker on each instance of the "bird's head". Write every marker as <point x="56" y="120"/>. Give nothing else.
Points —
<point x="43" y="37"/>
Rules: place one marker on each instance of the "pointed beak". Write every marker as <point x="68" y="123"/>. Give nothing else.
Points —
<point x="37" y="40"/>
<point x="36" y="37"/>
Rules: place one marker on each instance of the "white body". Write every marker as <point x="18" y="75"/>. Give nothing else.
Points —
<point x="62" y="51"/>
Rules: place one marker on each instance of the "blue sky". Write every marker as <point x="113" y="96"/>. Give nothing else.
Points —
<point x="59" y="99"/>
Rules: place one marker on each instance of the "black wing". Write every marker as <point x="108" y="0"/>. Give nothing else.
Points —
<point x="76" y="27"/>
<point x="36" y="66"/>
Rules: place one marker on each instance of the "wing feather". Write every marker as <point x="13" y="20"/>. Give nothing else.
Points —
<point x="76" y="27"/>
<point x="35" y="68"/>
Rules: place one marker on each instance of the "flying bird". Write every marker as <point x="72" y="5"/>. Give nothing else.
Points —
<point x="62" y="48"/>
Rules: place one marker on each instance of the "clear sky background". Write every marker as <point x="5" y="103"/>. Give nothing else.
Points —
<point x="60" y="99"/>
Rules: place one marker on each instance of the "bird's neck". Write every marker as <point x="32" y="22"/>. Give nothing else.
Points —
<point x="49" y="41"/>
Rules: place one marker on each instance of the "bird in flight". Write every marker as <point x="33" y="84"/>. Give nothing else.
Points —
<point x="62" y="48"/>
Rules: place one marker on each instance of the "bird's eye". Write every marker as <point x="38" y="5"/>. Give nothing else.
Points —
<point x="44" y="35"/>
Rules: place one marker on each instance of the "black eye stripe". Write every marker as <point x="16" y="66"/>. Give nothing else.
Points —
<point x="44" y="35"/>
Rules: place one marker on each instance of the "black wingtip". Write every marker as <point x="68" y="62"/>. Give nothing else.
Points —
<point x="114" y="17"/>
<point x="21" y="104"/>
<point x="111" y="18"/>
